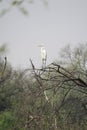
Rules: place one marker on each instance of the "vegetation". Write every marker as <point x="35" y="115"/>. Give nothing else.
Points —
<point x="53" y="98"/>
<point x="21" y="5"/>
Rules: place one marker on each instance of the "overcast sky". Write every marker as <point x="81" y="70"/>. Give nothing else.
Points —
<point x="62" y="22"/>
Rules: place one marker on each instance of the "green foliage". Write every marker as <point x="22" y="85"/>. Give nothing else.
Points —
<point x="24" y="11"/>
<point x="5" y="71"/>
<point x="20" y="4"/>
<point x="23" y="104"/>
<point x="4" y="11"/>
<point x="7" y="121"/>
<point x="17" y="2"/>
<point x="3" y="49"/>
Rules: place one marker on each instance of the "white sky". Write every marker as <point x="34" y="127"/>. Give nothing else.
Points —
<point x="62" y="22"/>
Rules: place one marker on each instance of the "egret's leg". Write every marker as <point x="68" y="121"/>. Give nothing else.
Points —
<point x="42" y="63"/>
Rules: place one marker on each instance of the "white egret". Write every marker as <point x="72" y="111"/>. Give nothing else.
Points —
<point x="44" y="58"/>
<point x="43" y="55"/>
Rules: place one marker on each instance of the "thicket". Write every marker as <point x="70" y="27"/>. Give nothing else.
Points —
<point x="53" y="98"/>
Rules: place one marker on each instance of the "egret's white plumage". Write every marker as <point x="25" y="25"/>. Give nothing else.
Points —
<point x="43" y="55"/>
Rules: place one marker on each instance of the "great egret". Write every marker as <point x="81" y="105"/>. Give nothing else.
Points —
<point x="43" y="55"/>
<point x="44" y="58"/>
